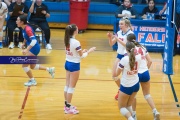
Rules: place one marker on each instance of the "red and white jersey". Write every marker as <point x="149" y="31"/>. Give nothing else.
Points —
<point x="143" y="52"/>
<point x="72" y="51"/>
<point x="122" y="36"/>
<point x="129" y="77"/>
<point x="3" y="8"/>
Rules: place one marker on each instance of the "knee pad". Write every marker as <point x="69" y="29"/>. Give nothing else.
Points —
<point x="36" y="67"/>
<point x="147" y="96"/>
<point x="1" y="33"/>
<point x="70" y="90"/>
<point x="26" y="69"/>
<point x="65" y="88"/>
<point x="123" y="111"/>
<point x="115" y="78"/>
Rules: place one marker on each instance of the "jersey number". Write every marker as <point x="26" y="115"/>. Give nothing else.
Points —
<point x="134" y="71"/>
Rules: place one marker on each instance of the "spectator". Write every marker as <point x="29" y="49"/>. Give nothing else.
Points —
<point x="8" y="2"/>
<point x="151" y="8"/>
<point x="126" y="10"/>
<point x="15" y="9"/>
<point x="163" y="11"/>
<point x="116" y="2"/>
<point x="140" y="1"/>
<point x="39" y="12"/>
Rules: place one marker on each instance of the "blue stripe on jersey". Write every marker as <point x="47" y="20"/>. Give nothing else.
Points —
<point x="78" y="48"/>
<point x="121" y="66"/>
<point x="125" y="54"/>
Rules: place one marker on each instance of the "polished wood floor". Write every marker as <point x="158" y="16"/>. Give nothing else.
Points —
<point x="94" y="93"/>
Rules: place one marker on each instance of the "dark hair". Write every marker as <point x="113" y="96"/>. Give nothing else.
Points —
<point x="151" y="0"/>
<point x="130" y="46"/>
<point x="132" y="38"/>
<point x="69" y="31"/>
<point x="23" y="18"/>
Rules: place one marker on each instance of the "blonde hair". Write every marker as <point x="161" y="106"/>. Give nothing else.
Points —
<point x="127" y="22"/>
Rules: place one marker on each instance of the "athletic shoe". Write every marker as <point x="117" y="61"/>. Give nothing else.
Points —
<point x="20" y="45"/>
<point x="48" y="46"/>
<point x="11" y="46"/>
<point x="116" y="96"/>
<point x="156" y="115"/>
<point x="52" y="71"/>
<point x="74" y="107"/>
<point x="70" y="110"/>
<point x="30" y="83"/>
<point x="134" y="117"/>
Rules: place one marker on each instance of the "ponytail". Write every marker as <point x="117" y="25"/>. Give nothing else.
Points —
<point x="69" y="31"/>
<point x="130" y="46"/>
<point x="132" y="59"/>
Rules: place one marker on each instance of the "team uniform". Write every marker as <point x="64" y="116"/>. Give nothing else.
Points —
<point x="121" y="49"/>
<point x="3" y="11"/>
<point x="29" y="36"/>
<point x="130" y="79"/>
<point x="73" y="59"/>
<point x="143" y="71"/>
<point x="3" y="8"/>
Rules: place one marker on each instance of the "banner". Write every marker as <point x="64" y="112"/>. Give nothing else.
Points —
<point x="151" y="37"/>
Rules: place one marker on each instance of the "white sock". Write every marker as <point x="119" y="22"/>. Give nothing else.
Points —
<point x="130" y="118"/>
<point x="32" y="79"/>
<point x="47" y="69"/>
<point x="154" y="110"/>
<point x="134" y="113"/>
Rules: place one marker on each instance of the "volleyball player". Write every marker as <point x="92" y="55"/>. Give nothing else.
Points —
<point x="3" y="12"/>
<point x="144" y="76"/>
<point x="33" y="49"/>
<point x="129" y="85"/>
<point x="74" y="54"/>
<point x="121" y="39"/>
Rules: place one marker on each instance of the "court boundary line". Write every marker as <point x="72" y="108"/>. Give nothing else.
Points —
<point x="82" y="79"/>
<point x="173" y="91"/>
<point x="24" y="102"/>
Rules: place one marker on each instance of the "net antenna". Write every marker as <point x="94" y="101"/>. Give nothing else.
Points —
<point x="174" y="12"/>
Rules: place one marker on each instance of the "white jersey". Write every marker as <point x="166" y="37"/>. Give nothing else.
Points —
<point x="143" y="52"/>
<point x="121" y="49"/>
<point x="72" y="51"/>
<point x="129" y="78"/>
<point x="3" y="8"/>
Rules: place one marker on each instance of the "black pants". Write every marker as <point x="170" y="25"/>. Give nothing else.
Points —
<point x="177" y="22"/>
<point x="11" y="25"/>
<point x="44" y="26"/>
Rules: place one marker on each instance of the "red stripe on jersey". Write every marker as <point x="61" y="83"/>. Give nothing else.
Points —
<point x="29" y="32"/>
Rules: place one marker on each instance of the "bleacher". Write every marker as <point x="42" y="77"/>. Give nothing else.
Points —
<point x="101" y="13"/>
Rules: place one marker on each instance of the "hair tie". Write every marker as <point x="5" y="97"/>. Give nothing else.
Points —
<point x="133" y="40"/>
<point x="69" y="26"/>
<point x="132" y="49"/>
